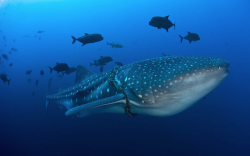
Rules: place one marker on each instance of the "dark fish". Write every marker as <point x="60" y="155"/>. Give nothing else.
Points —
<point x="14" y="40"/>
<point x="39" y="38"/>
<point x="40" y="31"/>
<point x="29" y="79"/>
<point x="165" y="54"/>
<point x="13" y="49"/>
<point x="10" y="52"/>
<point x="10" y="64"/>
<point x="36" y="82"/>
<point x="102" y="61"/>
<point x="161" y="22"/>
<point x="191" y="37"/>
<point x="105" y="59"/>
<point x="5" y="57"/>
<point x="115" y="45"/>
<point x="70" y="70"/>
<point x="88" y="38"/>
<point x="35" y="36"/>
<point x="60" y="67"/>
<point x="4" y="78"/>
<point x="60" y="75"/>
<point x="101" y="68"/>
<point x="4" y="38"/>
<point x="119" y="63"/>
<point x="28" y="71"/>
<point x="33" y="93"/>
<point x="41" y="72"/>
<point x="96" y="63"/>
<point x="25" y="36"/>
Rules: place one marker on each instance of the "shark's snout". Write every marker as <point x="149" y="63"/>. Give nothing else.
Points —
<point x="218" y="69"/>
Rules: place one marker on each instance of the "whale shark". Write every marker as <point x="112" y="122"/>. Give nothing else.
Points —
<point x="158" y="87"/>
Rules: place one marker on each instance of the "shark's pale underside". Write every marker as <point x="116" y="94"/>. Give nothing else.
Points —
<point x="158" y="87"/>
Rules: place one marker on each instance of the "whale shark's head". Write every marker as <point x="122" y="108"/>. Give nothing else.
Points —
<point x="165" y="86"/>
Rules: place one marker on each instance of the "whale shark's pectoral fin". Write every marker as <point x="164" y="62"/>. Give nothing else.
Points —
<point x="97" y="106"/>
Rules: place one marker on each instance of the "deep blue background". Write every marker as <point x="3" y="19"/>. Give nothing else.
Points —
<point x="218" y="125"/>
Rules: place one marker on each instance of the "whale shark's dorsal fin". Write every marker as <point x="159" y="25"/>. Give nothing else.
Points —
<point x="82" y="73"/>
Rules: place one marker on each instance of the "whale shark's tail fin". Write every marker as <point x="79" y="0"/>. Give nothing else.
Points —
<point x="48" y="92"/>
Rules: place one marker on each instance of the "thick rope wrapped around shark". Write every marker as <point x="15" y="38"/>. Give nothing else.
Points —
<point x="120" y="90"/>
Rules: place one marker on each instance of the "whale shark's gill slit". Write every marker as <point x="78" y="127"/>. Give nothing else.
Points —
<point x="96" y="106"/>
<point x="148" y="86"/>
<point x="141" y="81"/>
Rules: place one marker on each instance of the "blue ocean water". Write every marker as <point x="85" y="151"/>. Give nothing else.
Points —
<point x="218" y="125"/>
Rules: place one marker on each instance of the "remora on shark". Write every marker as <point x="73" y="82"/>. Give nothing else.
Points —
<point x="158" y="87"/>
